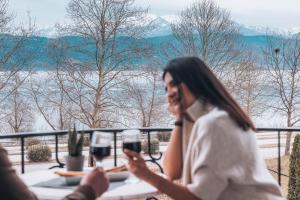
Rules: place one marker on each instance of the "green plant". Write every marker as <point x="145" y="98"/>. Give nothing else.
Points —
<point x="39" y="153"/>
<point x="31" y="141"/>
<point x="75" y="146"/>
<point x="294" y="175"/>
<point x="154" y="146"/>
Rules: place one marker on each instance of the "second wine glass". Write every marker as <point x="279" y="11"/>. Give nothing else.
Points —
<point x="132" y="140"/>
<point x="100" y="146"/>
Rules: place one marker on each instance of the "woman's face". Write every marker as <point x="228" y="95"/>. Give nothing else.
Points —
<point x="177" y="94"/>
<point x="174" y="95"/>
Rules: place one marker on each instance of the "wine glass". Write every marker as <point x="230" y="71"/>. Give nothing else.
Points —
<point x="132" y="140"/>
<point x="100" y="146"/>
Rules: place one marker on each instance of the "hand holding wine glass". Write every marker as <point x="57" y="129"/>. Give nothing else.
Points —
<point x="132" y="140"/>
<point x="97" y="180"/>
<point x="100" y="146"/>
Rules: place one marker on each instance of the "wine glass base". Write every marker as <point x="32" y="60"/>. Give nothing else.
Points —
<point x="99" y="164"/>
<point x="132" y="179"/>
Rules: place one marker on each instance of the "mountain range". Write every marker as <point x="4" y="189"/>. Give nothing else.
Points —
<point x="38" y="47"/>
<point x="162" y="26"/>
<point x="253" y="37"/>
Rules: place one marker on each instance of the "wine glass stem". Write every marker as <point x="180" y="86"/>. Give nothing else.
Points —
<point x="99" y="163"/>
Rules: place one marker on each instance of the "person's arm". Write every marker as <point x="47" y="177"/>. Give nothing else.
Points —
<point x="91" y="186"/>
<point x="169" y="188"/>
<point x="11" y="186"/>
<point x="81" y="193"/>
<point x="172" y="162"/>
<point x="137" y="166"/>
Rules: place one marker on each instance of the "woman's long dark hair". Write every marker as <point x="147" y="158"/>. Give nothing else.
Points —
<point x="203" y="84"/>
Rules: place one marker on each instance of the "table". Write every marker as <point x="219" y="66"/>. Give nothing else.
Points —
<point x="136" y="190"/>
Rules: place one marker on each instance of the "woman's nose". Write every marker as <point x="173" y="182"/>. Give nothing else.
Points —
<point x="171" y="92"/>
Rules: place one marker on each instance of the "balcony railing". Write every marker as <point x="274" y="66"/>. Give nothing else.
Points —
<point x="148" y="131"/>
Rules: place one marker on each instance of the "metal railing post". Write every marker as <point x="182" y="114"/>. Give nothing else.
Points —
<point x="152" y="159"/>
<point x="279" y="159"/>
<point x="91" y="162"/>
<point x="60" y="165"/>
<point x="115" y="148"/>
<point x="22" y="156"/>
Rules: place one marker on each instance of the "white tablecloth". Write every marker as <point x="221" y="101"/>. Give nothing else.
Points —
<point x="132" y="190"/>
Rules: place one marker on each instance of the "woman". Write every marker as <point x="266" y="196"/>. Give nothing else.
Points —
<point x="212" y="148"/>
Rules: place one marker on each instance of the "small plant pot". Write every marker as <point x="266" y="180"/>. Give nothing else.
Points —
<point x="74" y="163"/>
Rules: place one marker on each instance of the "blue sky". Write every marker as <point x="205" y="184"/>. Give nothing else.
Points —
<point x="283" y="14"/>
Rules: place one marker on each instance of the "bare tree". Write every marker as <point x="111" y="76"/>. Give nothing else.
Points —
<point x="48" y="95"/>
<point x="18" y="109"/>
<point x="13" y="58"/>
<point x="207" y="31"/>
<point x="5" y="16"/>
<point x="108" y="29"/>
<point x="282" y="57"/>
<point x="51" y="102"/>
<point x="143" y="98"/>
<point x="8" y="66"/>
<point x="244" y="81"/>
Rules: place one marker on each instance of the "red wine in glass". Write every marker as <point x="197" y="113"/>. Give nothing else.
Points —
<point x="133" y="146"/>
<point x="100" y="146"/>
<point x="100" y="152"/>
<point x="132" y="140"/>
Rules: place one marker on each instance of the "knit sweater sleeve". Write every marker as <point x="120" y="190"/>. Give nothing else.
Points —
<point x="11" y="186"/>
<point x="81" y="193"/>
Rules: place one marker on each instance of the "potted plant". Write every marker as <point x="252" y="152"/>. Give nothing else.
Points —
<point x="75" y="159"/>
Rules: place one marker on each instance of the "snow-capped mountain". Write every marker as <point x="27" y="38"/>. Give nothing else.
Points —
<point x="251" y="30"/>
<point x="295" y="30"/>
<point x="162" y="26"/>
<point x="259" y="30"/>
<point x="159" y="27"/>
<point x="49" y="32"/>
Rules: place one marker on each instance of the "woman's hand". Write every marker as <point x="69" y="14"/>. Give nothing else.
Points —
<point x="137" y="165"/>
<point x="97" y="180"/>
<point x="175" y="102"/>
